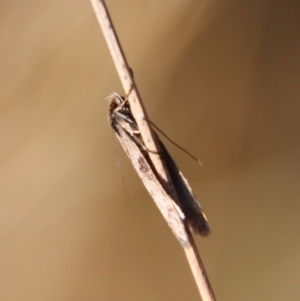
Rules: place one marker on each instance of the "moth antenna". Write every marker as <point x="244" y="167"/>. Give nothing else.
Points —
<point x="180" y="147"/>
<point x="120" y="167"/>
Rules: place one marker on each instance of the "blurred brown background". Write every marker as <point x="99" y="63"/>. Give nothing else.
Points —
<point x="221" y="78"/>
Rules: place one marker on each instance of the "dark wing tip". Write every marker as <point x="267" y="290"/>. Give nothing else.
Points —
<point x="199" y="224"/>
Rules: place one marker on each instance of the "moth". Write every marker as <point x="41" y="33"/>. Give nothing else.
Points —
<point x="126" y="129"/>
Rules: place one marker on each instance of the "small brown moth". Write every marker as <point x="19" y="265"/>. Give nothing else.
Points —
<point x="126" y="129"/>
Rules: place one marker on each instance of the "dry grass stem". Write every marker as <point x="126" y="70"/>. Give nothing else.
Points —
<point x="144" y="126"/>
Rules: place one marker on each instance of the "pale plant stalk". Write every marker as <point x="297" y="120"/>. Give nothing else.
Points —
<point x="140" y="115"/>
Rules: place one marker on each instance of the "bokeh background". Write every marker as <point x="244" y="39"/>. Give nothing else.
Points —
<point x="221" y="78"/>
